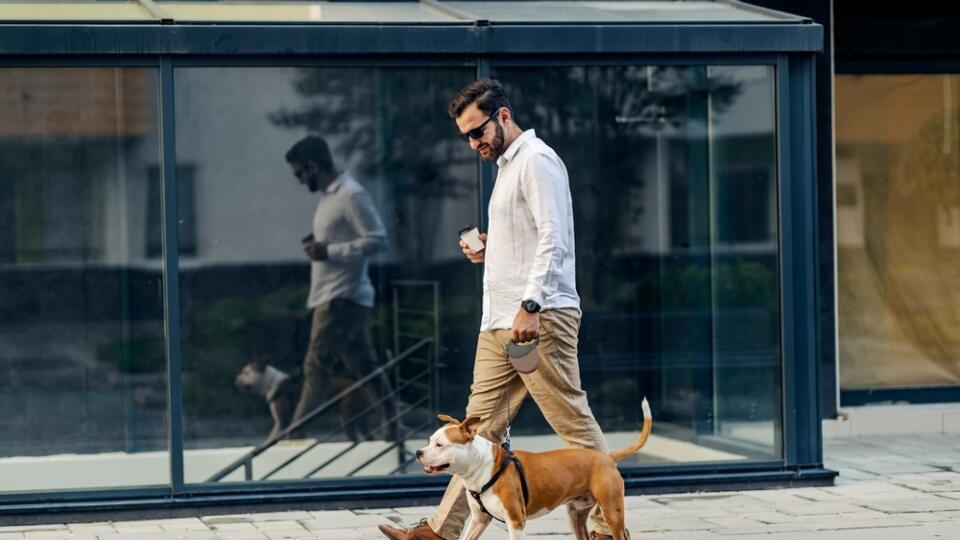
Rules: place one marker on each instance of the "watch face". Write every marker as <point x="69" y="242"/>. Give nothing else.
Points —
<point x="531" y="306"/>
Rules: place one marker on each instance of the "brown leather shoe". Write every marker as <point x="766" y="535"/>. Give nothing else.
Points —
<point x="420" y="531"/>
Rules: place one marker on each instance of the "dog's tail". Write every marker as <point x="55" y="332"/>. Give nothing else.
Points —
<point x="644" y="435"/>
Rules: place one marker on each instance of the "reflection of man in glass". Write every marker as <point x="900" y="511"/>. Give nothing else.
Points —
<point x="347" y="231"/>
<point x="529" y="291"/>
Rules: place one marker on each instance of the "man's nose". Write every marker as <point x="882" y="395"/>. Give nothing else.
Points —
<point x="474" y="143"/>
<point x="419" y="454"/>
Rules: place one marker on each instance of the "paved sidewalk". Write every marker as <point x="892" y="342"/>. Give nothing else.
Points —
<point x="903" y="488"/>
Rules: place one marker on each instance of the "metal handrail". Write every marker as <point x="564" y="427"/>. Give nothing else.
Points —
<point x="354" y="445"/>
<point x="246" y="459"/>
<point x="330" y="435"/>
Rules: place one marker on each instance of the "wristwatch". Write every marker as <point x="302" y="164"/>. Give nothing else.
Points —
<point x="530" y="306"/>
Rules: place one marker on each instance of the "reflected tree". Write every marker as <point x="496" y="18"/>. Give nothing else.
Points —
<point x="391" y="124"/>
<point x="605" y="122"/>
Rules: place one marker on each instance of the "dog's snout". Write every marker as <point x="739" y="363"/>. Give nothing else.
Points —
<point x="419" y="454"/>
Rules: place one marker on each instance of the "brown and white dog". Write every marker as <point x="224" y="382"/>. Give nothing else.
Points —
<point x="281" y="391"/>
<point x="577" y="477"/>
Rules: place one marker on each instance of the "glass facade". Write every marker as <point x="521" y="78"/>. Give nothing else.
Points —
<point x="898" y="230"/>
<point x="82" y="358"/>
<point x="673" y="172"/>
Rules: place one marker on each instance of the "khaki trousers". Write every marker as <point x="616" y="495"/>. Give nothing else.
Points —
<point x="555" y="387"/>
<point x="339" y="336"/>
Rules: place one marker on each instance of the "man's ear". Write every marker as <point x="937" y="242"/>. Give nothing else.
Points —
<point x="469" y="426"/>
<point x="504" y="114"/>
<point x="447" y="419"/>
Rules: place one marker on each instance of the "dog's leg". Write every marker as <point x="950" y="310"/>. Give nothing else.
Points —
<point x="515" y="530"/>
<point x="578" y="512"/>
<point x="612" y="507"/>
<point x="476" y="524"/>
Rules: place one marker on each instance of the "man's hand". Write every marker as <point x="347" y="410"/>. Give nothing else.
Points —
<point x="476" y="257"/>
<point x="317" y="251"/>
<point x="526" y="326"/>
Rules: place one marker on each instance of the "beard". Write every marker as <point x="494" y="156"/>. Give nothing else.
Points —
<point x="313" y="184"/>
<point x="497" y="144"/>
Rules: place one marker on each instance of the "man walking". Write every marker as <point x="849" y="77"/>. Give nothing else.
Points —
<point x="346" y="233"/>
<point x="529" y="291"/>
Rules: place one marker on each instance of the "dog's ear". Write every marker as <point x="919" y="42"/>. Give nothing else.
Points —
<point x="469" y="426"/>
<point x="260" y="363"/>
<point x="447" y="419"/>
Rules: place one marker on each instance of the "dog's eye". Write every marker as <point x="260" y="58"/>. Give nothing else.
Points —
<point x="438" y="445"/>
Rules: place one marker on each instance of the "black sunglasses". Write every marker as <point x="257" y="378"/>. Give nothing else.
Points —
<point x="476" y="132"/>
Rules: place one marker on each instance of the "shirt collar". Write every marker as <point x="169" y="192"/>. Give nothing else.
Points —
<point x="337" y="182"/>
<point x="515" y="147"/>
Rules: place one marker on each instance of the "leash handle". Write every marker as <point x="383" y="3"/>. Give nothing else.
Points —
<point x="515" y="350"/>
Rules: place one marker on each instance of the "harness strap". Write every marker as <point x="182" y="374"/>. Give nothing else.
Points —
<point x="503" y="466"/>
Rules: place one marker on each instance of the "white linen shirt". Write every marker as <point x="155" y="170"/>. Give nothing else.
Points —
<point x="347" y="221"/>
<point x="530" y="243"/>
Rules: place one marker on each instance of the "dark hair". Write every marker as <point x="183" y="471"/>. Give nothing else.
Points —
<point x="488" y="94"/>
<point x="311" y="148"/>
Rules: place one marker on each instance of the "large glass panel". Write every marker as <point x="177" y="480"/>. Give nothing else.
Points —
<point x="82" y="362"/>
<point x="673" y="175"/>
<point x="898" y="230"/>
<point x="246" y="278"/>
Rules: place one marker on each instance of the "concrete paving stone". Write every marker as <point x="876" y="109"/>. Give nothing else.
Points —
<point x="845" y="521"/>
<point x="847" y="474"/>
<point x="332" y="514"/>
<point x="358" y="521"/>
<point x="869" y="488"/>
<point x="547" y="526"/>
<point x="733" y="521"/>
<point x="928" y="517"/>
<point x="775" y="496"/>
<point x="242" y="535"/>
<point x="138" y="529"/>
<point x="916" y="504"/>
<point x="94" y="527"/>
<point x="725" y="501"/>
<point x="765" y="529"/>
<point x="374" y="533"/>
<point x="224" y="527"/>
<point x="143" y="536"/>
<point x="183" y="524"/>
<point x="227" y="519"/>
<point x="932" y="482"/>
<point x="288" y="534"/>
<point x="11" y="535"/>
<point x="196" y="535"/>
<point x="424" y="511"/>
<point x="25" y="528"/>
<point x="265" y="526"/>
<point x="771" y="518"/>
<point x="820" y="508"/>
<point x="675" y="523"/>
<point x="337" y="534"/>
<point x="706" y="513"/>
<point x="57" y="534"/>
<point x="292" y="515"/>
<point x="671" y="535"/>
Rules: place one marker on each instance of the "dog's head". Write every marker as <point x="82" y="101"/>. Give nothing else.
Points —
<point x="450" y="446"/>
<point x="250" y="378"/>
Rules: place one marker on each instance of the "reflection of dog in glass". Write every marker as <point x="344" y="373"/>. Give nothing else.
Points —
<point x="281" y="391"/>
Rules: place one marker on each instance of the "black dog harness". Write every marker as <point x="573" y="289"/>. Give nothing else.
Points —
<point x="503" y="466"/>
